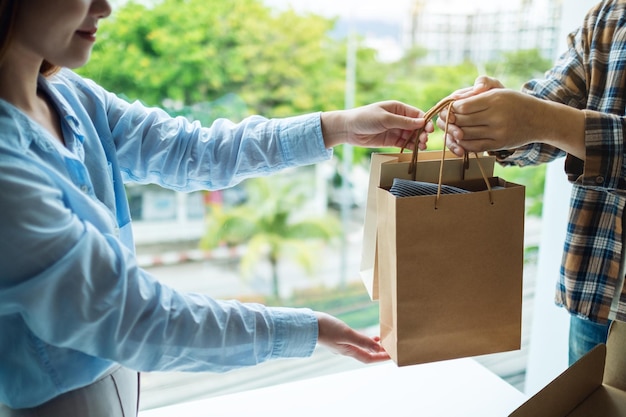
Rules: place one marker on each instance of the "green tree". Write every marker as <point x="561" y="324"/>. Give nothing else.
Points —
<point x="192" y="51"/>
<point x="268" y="225"/>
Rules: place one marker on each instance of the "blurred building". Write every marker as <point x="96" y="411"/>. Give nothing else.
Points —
<point x="452" y="35"/>
<point x="161" y="215"/>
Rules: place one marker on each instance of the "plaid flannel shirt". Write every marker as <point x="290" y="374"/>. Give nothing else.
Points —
<point x="591" y="76"/>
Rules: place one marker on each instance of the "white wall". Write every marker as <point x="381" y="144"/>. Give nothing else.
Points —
<point x="549" y="333"/>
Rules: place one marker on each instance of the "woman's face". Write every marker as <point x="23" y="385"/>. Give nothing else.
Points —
<point x="59" y="31"/>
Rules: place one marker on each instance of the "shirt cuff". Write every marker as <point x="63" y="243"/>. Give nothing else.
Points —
<point x="296" y="332"/>
<point x="302" y="141"/>
<point x="604" y="145"/>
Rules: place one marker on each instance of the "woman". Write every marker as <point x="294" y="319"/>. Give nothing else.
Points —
<point x="77" y="314"/>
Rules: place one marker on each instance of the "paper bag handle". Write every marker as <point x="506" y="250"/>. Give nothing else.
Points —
<point x="436" y="109"/>
<point x="446" y="102"/>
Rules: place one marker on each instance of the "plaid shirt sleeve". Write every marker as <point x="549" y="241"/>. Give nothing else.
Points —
<point x="591" y="76"/>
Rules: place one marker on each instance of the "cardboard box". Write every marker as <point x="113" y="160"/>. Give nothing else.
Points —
<point x="595" y="386"/>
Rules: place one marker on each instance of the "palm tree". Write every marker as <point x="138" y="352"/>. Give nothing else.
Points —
<point x="269" y="225"/>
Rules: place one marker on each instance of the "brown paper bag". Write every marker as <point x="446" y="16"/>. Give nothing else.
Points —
<point x="450" y="271"/>
<point x="384" y="168"/>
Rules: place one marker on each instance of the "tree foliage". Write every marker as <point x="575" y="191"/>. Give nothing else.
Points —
<point x="193" y="51"/>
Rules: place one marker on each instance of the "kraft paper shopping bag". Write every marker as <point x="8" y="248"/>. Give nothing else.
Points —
<point x="450" y="271"/>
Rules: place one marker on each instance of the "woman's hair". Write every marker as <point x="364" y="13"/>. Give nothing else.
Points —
<point x="8" y="15"/>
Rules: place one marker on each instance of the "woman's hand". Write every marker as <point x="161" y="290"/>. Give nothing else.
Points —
<point x="377" y="125"/>
<point x="342" y="339"/>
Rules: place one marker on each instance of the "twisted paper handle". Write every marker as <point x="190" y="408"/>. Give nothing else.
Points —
<point x="436" y="109"/>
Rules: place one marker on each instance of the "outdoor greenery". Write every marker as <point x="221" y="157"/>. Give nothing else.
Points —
<point x="209" y="59"/>
<point x="193" y="51"/>
<point x="269" y="225"/>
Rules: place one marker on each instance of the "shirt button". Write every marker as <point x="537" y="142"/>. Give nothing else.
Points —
<point x="84" y="188"/>
<point x="599" y="180"/>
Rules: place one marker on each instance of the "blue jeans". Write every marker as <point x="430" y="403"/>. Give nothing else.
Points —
<point x="584" y="335"/>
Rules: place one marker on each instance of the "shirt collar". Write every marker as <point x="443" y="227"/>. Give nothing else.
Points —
<point x="66" y="112"/>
